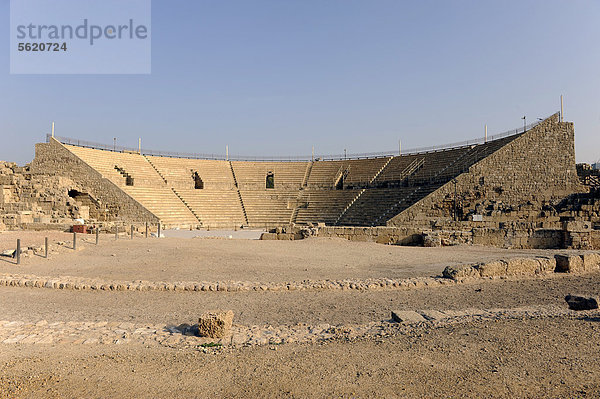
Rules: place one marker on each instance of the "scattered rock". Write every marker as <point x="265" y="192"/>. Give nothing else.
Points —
<point x="577" y="302"/>
<point x="9" y="253"/>
<point x="433" y="314"/>
<point x="187" y="329"/>
<point x="407" y="316"/>
<point x="215" y="324"/>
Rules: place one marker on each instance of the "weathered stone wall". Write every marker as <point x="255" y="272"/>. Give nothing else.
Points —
<point x="570" y="235"/>
<point x="28" y="199"/>
<point x="505" y="237"/>
<point x="536" y="168"/>
<point x="382" y="235"/>
<point x="53" y="159"/>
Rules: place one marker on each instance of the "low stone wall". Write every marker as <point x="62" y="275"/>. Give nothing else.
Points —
<point x="519" y="239"/>
<point x="561" y="263"/>
<point x="382" y="235"/>
<point x="89" y="284"/>
<point x="502" y="237"/>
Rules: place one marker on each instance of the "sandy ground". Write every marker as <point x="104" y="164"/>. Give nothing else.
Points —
<point x="554" y="358"/>
<point x="545" y="356"/>
<point x="205" y="259"/>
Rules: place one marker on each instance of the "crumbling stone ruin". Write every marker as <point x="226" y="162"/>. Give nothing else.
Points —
<point x="38" y="201"/>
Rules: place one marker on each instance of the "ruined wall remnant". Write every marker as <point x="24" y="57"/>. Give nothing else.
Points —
<point x="28" y="199"/>
<point x="515" y="182"/>
<point x="110" y="200"/>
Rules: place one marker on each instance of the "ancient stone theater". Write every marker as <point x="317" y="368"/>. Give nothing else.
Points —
<point x="519" y="189"/>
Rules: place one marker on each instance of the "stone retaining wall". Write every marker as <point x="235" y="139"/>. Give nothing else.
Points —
<point x="535" y="168"/>
<point x="53" y="158"/>
<point x="503" y="236"/>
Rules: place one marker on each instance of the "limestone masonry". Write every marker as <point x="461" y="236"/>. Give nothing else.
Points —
<point x="520" y="190"/>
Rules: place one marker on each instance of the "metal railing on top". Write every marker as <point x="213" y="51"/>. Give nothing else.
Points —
<point x="290" y="158"/>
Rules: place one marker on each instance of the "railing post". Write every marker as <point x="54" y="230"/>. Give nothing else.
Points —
<point x="74" y="241"/>
<point x="97" y="234"/>
<point x="18" y="251"/>
<point x="146" y="229"/>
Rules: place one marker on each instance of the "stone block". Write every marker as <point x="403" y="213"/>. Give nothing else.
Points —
<point x="383" y="239"/>
<point x="215" y="324"/>
<point x="547" y="265"/>
<point x="460" y="271"/>
<point x="522" y="266"/>
<point x="577" y="226"/>
<point x="433" y="314"/>
<point x="268" y="236"/>
<point x="407" y="316"/>
<point x="569" y="263"/>
<point x="359" y="238"/>
<point x="591" y="261"/>
<point x="493" y="269"/>
<point x="577" y="302"/>
<point x="431" y="240"/>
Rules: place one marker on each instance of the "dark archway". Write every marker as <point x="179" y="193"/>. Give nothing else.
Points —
<point x="270" y="181"/>
<point x="74" y="193"/>
<point x="198" y="183"/>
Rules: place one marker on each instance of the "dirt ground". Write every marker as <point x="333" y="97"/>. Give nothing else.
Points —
<point x="548" y="355"/>
<point x="205" y="259"/>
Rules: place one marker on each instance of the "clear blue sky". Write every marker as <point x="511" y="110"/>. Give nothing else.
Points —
<point x="277" y="77"/>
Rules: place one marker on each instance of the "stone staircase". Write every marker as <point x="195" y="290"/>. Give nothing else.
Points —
<point x="164" y="204"/>
<point x="187" y="205"/>
<point x="307" y="173"/>
<point x="381" y="170"/>
<point x="215" y="208"/>
<point x="268" y="208"/>
<point x="323" y="206"/>
<point x="235" y="182"/>
<point x="155" y="168"/>
<point x="348" y="206"/>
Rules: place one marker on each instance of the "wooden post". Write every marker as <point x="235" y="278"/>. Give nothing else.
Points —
<point x="74" y="240"/>
<point x="97" y="234"/>
<point x="146" y="229"/>
<point x="18" y="251"/>
<point x="158" y="229"/>
<point x="46" y="247"/>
